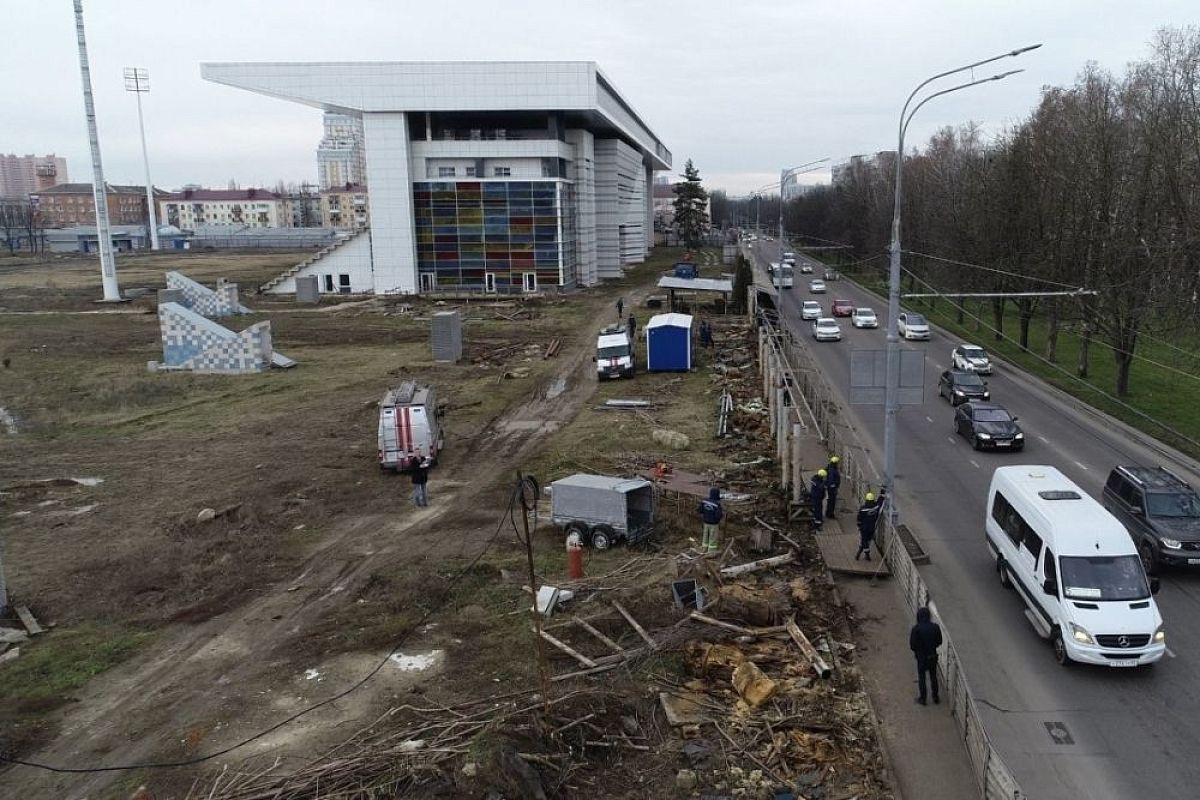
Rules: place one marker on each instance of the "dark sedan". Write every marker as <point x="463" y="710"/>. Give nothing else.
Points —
<point x="959" y="387"/>
<point x="988" y="425"/>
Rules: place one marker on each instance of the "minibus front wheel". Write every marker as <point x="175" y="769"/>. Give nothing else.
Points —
<point x="1060" y="649"/>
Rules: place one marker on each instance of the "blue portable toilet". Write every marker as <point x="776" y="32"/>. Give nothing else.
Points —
<point x="669" y="343"/>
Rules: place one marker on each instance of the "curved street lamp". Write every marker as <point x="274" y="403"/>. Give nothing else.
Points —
<point x="892" y="386"/>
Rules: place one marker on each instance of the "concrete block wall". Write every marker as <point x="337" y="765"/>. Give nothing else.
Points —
<point x="193" y="342"/>
<point x="204" y="301"/>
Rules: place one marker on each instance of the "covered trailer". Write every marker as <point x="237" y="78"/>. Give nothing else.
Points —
<point x="602" y="509"/>
<point x="410" y="427"/>
<point x="669" y="343"/>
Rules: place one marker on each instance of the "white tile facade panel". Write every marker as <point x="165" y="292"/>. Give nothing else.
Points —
<point x="352" y="258"/>
<point x="620" y="207"/>
<point x="390" y="178"/>
<point x="583" y="173"/>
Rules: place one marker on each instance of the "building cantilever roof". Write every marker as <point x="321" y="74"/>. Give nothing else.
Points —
<point x="572" y="86"/>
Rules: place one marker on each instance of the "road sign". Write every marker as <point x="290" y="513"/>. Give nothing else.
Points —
<point x="868" y="377"/>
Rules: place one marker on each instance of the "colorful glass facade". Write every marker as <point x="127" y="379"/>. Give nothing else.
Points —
<point x="468" y="230"/>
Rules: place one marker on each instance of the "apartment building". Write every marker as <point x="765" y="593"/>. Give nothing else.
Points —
<point x="255" y="208"/>
<point x="68" y="204"/>
<point x="22" y="175"/>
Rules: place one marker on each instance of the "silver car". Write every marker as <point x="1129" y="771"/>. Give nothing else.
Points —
<point x="864" y="318"/>
<point x="810" y="309"/>
<point x="826" y="329"/>
<point x="816" y="287"/>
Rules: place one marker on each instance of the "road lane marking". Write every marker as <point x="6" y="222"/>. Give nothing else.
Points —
<point x="939" y="366"/>
<point x="928" y="418"/>
<point x="1081" y="466"/>
<point x="1044" y="439"/>
<point x="952" y="439"/>
<point x="973" y="464"/>
<point x="1170" y="652"/>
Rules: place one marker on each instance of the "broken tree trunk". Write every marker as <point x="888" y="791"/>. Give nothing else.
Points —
<point x="754" y="566"/>
<point x="814" y="658"/>
<point x="751" y="605"/>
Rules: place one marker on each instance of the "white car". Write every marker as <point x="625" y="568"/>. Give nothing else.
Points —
<point x="826" y="329"/>
<point x="810" y="309"/>
<point x="863" y="318"/>
<point x="971" y="358"/>
<point x="806" y="268"/>
<point x="816" y="287"/>
<point x="912" y="326"/>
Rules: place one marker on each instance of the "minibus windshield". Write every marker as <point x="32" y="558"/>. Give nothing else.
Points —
<point x="1104" y="578"/>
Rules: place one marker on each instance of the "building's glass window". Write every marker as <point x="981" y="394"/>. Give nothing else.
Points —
<point x="504" y="228"/>
<point x="445" y="172"/>
<point x="501" y="172"/>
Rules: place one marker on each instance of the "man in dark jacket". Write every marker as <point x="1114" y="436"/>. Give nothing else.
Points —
<point x="924" y="640"/>
<point x="816" y="495"/>
<point x="833" y="481"/>
<point x="420" y="477"/>
<point x="631" y="327"/>
<point x="868" y="521"/>
<point x="711" y="515"/>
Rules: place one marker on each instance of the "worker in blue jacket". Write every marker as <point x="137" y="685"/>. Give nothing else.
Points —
<point x="833" y="481"/>
<point x="816" y="495"/>
<point x="711" y="514"/>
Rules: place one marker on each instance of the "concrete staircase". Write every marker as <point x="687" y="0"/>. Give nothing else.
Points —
<point x="315" y="257"/>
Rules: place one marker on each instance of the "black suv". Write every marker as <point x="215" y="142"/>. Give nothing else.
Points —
<point x="958" y="386"/>
<point x="1160" y="511"/>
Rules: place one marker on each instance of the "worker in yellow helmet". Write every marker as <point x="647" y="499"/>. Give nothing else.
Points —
<point x="816" y="495"/>
<point x="833" y="481"/>
<point x="868" y="520"/>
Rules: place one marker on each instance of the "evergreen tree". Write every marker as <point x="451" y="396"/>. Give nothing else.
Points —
<point x="691" y="206"/>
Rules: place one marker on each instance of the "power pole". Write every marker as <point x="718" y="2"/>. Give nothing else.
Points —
<point x="543" y="670"/>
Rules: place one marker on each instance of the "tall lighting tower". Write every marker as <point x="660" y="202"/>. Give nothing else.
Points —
<point x="108" y="265"/>
<point x="137" y="80"/>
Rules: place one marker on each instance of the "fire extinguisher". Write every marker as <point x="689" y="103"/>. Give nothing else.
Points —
<point x="574" y="556"/>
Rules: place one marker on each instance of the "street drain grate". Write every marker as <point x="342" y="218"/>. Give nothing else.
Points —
<point x="915" y="551"/>
<point x="1059" y="733"/>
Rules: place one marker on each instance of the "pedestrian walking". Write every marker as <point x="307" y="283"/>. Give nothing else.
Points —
<point x="420" y="480"/>
<point x="924" y="640"/>
<point x="868" y="521"/>
<point x="706" y="334"/>
<point x="631" y="326"/>
<point x="833" y="482"/>
<point x="816" y="494"/>
<point x="711" y="514"/>
<point x="620" y="307"/>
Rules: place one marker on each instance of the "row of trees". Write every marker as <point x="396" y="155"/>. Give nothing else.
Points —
<point x="21" y="226"/>
<point x="1099" y="188"/>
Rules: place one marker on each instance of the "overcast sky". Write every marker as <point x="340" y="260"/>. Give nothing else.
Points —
<point x="743" y="89"/>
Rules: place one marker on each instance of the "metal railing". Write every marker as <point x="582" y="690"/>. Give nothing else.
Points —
<point x="859" y="474"/>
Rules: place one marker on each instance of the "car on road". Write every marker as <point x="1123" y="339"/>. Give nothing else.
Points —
<point x="971" y="358"/>
<point x="832" y="275"/>
<point x="988" y="425"/>
<point x="810" y="309"/>
<point x="841" y="308"/>
<point x="806" y="268"/>
<point x="826" y="329"/>
<point x="1160" y="510"/>
<point x="816" y="286"/>
<point x="958" y="387"/>
<point x="1074" y="568"/>
<point x="864" y="318"/>
<point x="912" y="326"/>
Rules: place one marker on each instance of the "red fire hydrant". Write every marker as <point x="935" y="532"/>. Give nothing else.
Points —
<point x="574" y="557"/>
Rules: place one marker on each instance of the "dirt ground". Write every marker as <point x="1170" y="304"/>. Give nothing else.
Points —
<point x="175" y="639"/>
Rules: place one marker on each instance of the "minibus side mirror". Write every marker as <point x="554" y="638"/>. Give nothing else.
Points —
<point x="1155" y="585"/>
<point x="1050" y="587"/>
<point x="1135" y="510"/>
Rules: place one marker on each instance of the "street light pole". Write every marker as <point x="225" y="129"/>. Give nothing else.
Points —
<point x="892" y="386"/>
<point x="783" y="176"/>
<point x="137" y="80"/>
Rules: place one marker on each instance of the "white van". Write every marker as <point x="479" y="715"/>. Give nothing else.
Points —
<point x="410" y="427"/>
<point x="1075" y="568"/>
<point x="614" y="353"/>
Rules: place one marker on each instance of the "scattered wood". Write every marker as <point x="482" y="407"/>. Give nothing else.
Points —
<point x="587" y="626"/>
<point x="818" y="663"/>
<point x="28" y="621"/>
<point x="754" y="566"/>
<point x="594" y="670"/>
<point x="752" y="605"/>
<point x="637" y="627"/>
<point x="572" y="724"/>
<point x="682" y="708"/>
<point x="761" y="540"/>
<point x="566" y="648"/>
<point x="552" y="348"/>
<point x="10" y="655"/>
<point x="632" y="403"/>
<point x="729" y="626"/>
<point x="754" y="686"/>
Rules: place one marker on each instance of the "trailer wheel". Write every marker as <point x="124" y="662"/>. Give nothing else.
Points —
<point x="578" y="529"/>
<point x="602" y="537"/>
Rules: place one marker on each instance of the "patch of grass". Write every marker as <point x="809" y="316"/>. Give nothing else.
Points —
<point x="63" y="660"/>
<point x="1167" y="391"/>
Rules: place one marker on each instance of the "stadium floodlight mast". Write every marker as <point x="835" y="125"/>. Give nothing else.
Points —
<point x="137" y="80"/>
<point x="892" y="386"/>
<point x="108" y="265"/>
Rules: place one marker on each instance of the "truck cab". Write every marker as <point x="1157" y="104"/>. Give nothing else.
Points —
<point x="614" y="354"/>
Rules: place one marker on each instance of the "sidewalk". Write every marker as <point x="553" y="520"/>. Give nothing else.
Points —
<point x="928" y="758"/>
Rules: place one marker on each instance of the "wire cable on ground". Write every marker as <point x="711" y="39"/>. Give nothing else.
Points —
<point x="514" y="499"/>
<point x="1090" y="386"/>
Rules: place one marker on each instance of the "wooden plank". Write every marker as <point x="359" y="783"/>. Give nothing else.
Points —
<point x="566" y="648"/>
<point x="10" y="655"/>
<point x="682" y="708"/>
<point x="814" y="658"/>
<point x="587" y="626"/>
<point x="753" y="566"/>
<point x="641" y="631"/>
<point x="582" y="672"/>
<point x="28" y="621"/>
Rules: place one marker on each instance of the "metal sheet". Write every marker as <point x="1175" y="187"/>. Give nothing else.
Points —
<point x="868" y="377"/>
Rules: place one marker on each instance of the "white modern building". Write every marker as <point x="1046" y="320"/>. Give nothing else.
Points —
<point x="194" y="208"/>
<point x="495" y="176"/>
<point x="341" y="157"/>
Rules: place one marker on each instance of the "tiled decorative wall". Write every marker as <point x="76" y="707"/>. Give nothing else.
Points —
<point x="193" y="342"/>
<point x="204" y="301"/>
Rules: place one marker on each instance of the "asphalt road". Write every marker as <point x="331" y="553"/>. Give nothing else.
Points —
<point x="1133" y="731"/>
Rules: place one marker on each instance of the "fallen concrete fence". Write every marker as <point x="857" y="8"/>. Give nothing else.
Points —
<point x="789" y="372"/>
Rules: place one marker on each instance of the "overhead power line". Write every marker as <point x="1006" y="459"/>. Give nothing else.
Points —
<point x="996" y="270"/>
<point x="1076" y="293"/>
